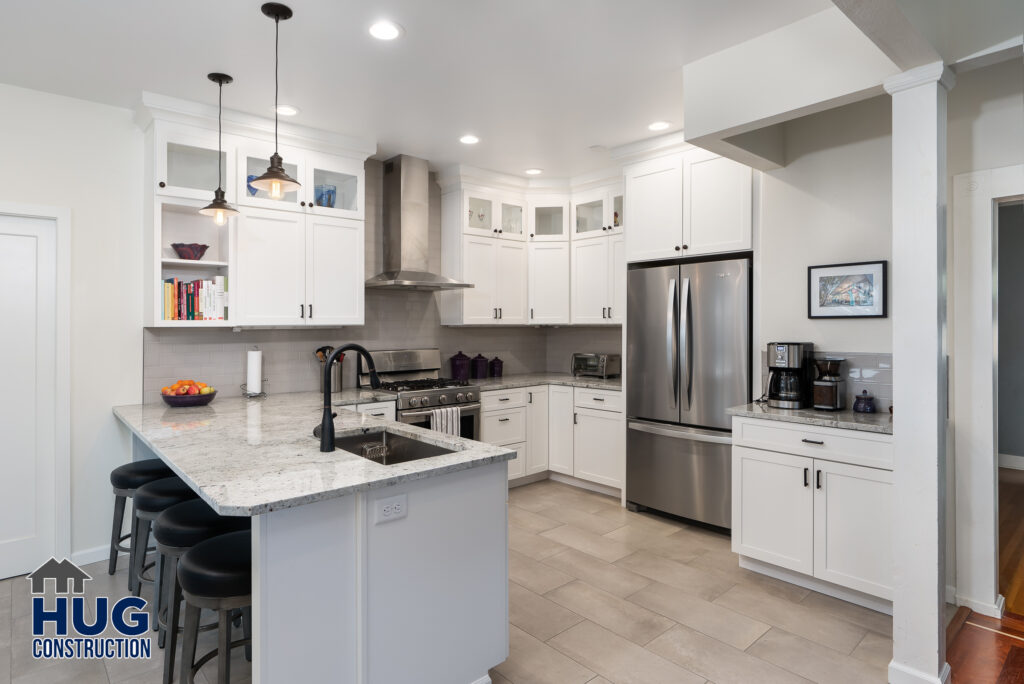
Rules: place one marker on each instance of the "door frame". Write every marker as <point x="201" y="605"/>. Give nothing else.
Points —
<point x="61" y="216"/>
<point x="977" y="196"/>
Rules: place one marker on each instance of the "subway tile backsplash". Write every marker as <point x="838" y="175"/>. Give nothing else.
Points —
<point x="871" y="372"/>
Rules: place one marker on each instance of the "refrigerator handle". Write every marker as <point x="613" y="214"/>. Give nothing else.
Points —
<point x="685" y="343"/>
<point x="672" y="338"/>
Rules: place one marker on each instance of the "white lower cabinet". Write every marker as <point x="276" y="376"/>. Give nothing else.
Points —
<point x="599" y="447"/>
<point x="560" y="429"/>
<point x="378" y="409"/>
<point x="536" y="429"/>
<point x="517" y="466"/>
<point x="814" y="516"/>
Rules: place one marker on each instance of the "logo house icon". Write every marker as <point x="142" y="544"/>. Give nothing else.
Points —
<point x="63" y="573"/>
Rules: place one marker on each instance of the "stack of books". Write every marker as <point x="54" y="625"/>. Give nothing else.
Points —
<point x="195" y="300"/>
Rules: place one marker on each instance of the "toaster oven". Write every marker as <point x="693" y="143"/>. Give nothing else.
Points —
<point x="597" y="365"/>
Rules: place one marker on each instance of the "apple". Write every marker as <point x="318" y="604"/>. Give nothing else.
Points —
<point x="182" y="390"/>
<point x="192" y="389"/>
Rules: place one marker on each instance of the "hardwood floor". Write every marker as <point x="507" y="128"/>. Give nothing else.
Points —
<point x="989" y="651"/>
<point x="1011" y="538"/>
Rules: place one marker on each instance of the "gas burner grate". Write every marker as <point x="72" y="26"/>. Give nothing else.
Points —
<point x="427" y="383"/>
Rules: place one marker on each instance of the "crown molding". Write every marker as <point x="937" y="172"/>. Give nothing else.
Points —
<point x="649" y="148"/>
<point x="460" y="175"/>
<point x="156" y="107"/>
<point x="918" y="76"/>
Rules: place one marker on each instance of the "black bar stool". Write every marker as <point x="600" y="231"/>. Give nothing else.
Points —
<point x="216" y="574"/>
<point x="176" y="530"/>
<point x="125" y="480"/>
<point x="151" y="499"/>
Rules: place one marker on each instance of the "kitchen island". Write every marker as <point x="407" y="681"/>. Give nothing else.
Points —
<point x="362" y="572"/>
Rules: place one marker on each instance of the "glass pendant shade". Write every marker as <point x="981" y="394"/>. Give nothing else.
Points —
<point x="219" y="208"/>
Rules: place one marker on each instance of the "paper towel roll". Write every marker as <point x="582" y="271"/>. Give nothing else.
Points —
<point x="254" y="372"/>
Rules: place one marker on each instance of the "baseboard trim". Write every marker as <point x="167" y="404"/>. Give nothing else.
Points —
<point x="821" y="586"/>
<point x="527" y="479"/>
<point x="902" y="674"/>
<point x="486" y="679"/>
<point x="951" y="594"/>
<point x="1011" y="461"/>
<point x="93" y="555"/>
<point x="584" y="484"/>
<point x="992" y="610"/>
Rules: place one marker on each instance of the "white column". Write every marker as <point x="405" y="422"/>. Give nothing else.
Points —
<point x="918" y="287"/>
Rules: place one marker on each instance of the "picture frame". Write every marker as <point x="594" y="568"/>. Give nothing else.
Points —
<point x="853" y="290"/>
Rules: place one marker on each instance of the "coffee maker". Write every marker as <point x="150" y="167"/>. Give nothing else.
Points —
<point x="829" y="388"/>
<point x="790" y="375"/>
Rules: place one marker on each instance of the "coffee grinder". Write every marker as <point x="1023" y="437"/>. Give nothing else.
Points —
<point x="829" y="388"/>
<point x="790" y="374"/>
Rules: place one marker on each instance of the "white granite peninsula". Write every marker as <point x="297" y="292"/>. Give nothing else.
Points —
<point x="342" y="591"/>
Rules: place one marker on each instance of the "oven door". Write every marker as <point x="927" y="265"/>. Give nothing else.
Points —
<point x="470" y="419"/>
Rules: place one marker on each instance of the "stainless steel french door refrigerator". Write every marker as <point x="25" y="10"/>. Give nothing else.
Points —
<point x="688" y="360"/>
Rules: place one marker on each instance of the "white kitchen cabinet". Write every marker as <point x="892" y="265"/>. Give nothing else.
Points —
<point x="503" y="426"/>
<point x="510" y="272"/>
<point x="253" y="160"/>
<point x="333" y="186"/>
<point x="185" y="162"/>
<point x="536" y="430"/>
<point x="517" y="466"/>
<point x="498" y="271"/>
<point x="597" y="212"/>
<point x="853" y="509"/>
<point x="548" y="219"/>
<point x="598" y="271"/>
<point x="378" y="409"/>
<point x="298" y="270"/>
<point x="511" y="214"/>
<point x="491" y="213"/>
<point x="654" y="197"/>
<point x="773" y="508"/>
<point x="549" y="283"/>
<point x="716" y="204"/>
<point x="599" y="447"/>
<point x="560" y="429"/>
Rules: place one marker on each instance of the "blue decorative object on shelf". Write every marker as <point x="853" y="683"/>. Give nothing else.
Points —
<point x="325" y="195"/>
<point x="248" y="184"/>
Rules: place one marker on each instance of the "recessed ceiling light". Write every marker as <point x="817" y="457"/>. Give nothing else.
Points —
<point x="658" y="126"/>
<point x="534" y="172"/>
<point x="385" y="30"/>
<point x="469" y="139"/>
<point x="287" y="110"/>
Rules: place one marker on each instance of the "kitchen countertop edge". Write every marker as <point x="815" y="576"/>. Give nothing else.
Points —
<point x="878" y="423"/>
<point x="530" y="379"/>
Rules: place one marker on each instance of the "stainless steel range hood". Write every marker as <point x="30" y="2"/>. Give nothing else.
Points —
<point x="406" y="226"/>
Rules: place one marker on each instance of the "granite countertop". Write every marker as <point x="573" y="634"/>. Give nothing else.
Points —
<point x="352" y="395"/>
<point x="529" y="379"/>
<point x="844" y="420"/>
<point x="250" y="456"/>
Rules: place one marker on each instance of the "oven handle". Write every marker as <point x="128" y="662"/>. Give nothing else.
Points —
<point x="466" y="408"/>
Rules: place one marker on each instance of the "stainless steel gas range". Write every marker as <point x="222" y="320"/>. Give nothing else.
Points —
<point x="414" y="377"/>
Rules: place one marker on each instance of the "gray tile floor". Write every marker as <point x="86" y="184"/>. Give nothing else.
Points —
<point x="597" y="594"/>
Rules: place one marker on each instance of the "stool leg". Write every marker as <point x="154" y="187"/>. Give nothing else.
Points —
<point x="142" y="539"/>
<point x="223" y="647"/>
<point x="158" y="595"/>
<point x="173" y="606"/>
<point x="132" y="545"/>
<point x="188" y="644"/>
<point x="115" y="533"/>
<point x="247" y="631"/>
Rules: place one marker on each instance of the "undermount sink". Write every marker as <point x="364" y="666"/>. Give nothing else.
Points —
<point x="387" y="448"/>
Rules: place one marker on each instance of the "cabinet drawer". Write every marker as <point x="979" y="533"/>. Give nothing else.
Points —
<point x="502" y="399"/>
<point x="380" y="409"/>
<point x="599" y="399"/>
<point x="830" y="444"/>
<point x="507" y="426"/>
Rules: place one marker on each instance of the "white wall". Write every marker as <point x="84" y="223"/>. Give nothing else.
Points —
<point x="87" y="157"/>
<point x="831" y="204"/>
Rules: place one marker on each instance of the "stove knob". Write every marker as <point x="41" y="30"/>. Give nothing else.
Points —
<point x="460" y="397"/>
<point x="443" y="399"/>
<point x="414" y="402"/>
<point x="469" y="396"/>
<point x="426" y="401"/>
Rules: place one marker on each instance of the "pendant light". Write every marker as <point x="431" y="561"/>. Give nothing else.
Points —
<point x="219" y="208"/>
<point x="276" y="181"/>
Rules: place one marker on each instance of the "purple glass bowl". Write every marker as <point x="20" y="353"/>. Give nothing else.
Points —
<point x="192" y="251"/>
<point x="188" y="400"/>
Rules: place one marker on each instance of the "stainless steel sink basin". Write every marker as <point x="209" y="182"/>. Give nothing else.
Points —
<point x="388" y="448"/>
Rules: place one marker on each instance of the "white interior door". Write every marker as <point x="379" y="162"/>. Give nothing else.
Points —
<point x="28" y="302"/>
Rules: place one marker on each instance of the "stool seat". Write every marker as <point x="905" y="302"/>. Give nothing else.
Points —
<point x="187" y="523"/>
<point x="134" y="475"/>
<point x="219" y="567"/>
<point x="158" y="495"/>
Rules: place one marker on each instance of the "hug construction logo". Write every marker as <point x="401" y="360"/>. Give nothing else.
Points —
<point x="78" y="638"/>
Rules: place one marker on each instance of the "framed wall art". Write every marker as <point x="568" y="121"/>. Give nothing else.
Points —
<point x="855" y="290"/>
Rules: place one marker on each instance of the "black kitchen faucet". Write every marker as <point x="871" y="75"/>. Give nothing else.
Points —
<point x="327" y="424"/>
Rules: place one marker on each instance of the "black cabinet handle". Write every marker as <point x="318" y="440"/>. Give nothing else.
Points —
<point x="504" y="398"/>
<point x="302" y="311"/>
<point x="495" y="230"/>
<point x="377" y="414"/>
<point x="162" y="184"/>
<point x="310" y="310"/>
<point x="503" y="420"/>
<point x="817" y="479"/>
<point x="813" y="441"/>
<point x="575" y="419"/>
<point x="604" y="312"/>
<point x="678" y="248"/>
<point x="807" y="472"/>
<point x="609" y="312"/>
<point x="302" y="203"/>
<point x="500" y="232"/>
<point x="530" y="400"/>
<point x="597" y="398"/>
<point x="495" y="312"/>
<point x="531" y="312"/>
<point x="686" y="246"/>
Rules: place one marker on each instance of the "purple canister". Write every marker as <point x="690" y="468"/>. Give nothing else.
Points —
<point x="460" y="367"/>
<point x="478" y="367"/>
<point x="496" y="366"/>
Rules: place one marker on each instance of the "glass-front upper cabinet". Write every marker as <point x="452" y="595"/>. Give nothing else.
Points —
<point x="478" y="210"/>
<point x="598" y="212"/>
<point x="253" y="161"/>
<point x="617" y="217"/>
<point x="333" y="186"/>
<point x="549" y="219"/>
<point x="186" y="162"/>
<point x="513" y="220"/>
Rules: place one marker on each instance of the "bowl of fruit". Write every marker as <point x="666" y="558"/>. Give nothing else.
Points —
<point x="186" y="393"/>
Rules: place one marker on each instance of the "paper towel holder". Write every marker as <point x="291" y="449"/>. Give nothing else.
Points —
<point x="253" y="395"/>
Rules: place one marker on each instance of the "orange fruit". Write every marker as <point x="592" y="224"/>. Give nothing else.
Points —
<point x="200" y="385"/>
<point x="165" y="390"/>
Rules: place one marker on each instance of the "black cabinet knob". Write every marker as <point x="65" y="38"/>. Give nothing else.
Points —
<point x="500" y="232"/>
<point x="678" y="248"/>
<point x="302" y="204"/>
<point x="531" y="234"/>
<point x="495" y="230"/>
<point x="162" y="184"/>
<point x="686" y="246"/>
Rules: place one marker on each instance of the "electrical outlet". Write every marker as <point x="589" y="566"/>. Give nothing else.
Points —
<point x="391" y="508"/>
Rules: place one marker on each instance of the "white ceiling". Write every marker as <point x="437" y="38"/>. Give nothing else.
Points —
<point x="539" y="81"/>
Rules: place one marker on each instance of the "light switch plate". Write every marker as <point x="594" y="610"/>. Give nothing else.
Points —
<point x="392" y="508"/>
